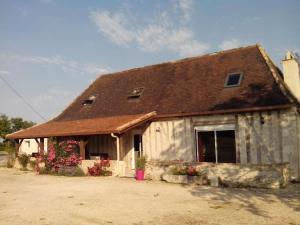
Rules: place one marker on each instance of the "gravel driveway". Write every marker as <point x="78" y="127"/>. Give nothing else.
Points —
<point x="26" y="198"/>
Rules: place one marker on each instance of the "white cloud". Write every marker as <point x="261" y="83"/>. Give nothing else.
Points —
<point x="159" y="35"/>
<point x="185" y="6"/>
<point x="73" y="67"/>
<point x="155" y="38"/>
<point x="229" y="44"/>
<point x="113" y="26"/>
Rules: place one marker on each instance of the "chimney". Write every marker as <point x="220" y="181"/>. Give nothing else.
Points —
<point x="291" y="73"/>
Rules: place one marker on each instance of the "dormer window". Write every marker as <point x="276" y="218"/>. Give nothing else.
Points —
<point x="89" y="101"/>
<point x="136" y="93"/>
<point x="233" y="80"/>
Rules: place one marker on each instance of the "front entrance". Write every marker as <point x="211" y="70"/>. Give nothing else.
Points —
<point x="216" y="144"/>
<point x="137" y="150"/>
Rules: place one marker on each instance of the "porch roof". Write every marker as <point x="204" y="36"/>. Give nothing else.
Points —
<point x="101" y="125"/>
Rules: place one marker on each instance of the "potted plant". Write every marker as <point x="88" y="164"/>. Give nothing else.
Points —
<point x="140" y="168"/>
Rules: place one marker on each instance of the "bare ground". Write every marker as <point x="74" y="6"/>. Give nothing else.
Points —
<point x="26" y="198"/>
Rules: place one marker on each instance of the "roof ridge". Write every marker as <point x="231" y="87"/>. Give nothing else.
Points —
<point x="181" y="60"/>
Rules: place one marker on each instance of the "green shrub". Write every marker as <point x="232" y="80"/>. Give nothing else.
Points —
<point x="179" y="171"/>
<point x="24" y="160"/>
<point x="32" y="164"/>
<point x="141" y="163"/>
<point x="72" y="171"/>
<point x="10" y="162"/>
<point x="44" y="170"/>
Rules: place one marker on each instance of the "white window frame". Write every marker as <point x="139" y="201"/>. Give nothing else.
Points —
<point x="214" y="128"/>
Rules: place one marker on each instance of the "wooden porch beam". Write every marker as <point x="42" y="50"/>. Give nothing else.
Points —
<point x="82" y="145"/>
<point x="41" y="146"/>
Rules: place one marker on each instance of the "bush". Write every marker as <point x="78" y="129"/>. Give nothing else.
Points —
<point x="100" y="168"/>
<point x="32" y="164"/>
<point x="62" y="158"/>
<point x="190" y="171"/>
<point x="141" y="163"/>
<point x="24" y="160"/>
<point x="10" y="162"/>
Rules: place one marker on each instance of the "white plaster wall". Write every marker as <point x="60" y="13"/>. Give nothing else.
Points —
<point x="261" y="138"/>
<point x="30" y="146"/>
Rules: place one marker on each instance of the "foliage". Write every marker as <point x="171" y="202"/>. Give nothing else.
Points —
<point x="62" y="158"/>
<point x="141" y="163"/>
<point x="190" y="171"/>
<point x="100" y="168"/>
<point x="75" y="171"/>
<point x="10" y="162"/>
<point x="7" y="147"/>
<point x="33" y="163"/>
<point x="24" y="160"/>
<point x="10" y="125"/>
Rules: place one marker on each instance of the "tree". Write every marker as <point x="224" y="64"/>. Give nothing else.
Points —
<point x="11" y="125"/>
<point x="5" y="126"/>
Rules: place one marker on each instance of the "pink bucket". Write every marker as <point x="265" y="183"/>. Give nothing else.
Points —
<point x="139" y="175"/>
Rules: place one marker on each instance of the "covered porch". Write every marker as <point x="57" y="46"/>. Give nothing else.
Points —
<point x="112" y="138"/>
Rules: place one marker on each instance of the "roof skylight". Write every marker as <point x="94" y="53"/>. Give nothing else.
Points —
<point x="136" y="93"/>
<point x="89" y="101"/>
<point x="233" y="80"/>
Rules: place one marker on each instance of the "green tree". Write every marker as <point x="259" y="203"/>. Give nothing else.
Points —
<point x="5" y="126"/>
<point x="18" y="124"/>
<point x="10" y="125"/>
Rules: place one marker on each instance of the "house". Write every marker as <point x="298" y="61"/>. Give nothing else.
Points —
<point x="233" y="106"/>
<point x="31" y="146"/>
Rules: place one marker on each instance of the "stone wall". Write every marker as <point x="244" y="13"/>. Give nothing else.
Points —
<point x="232" y="175"/>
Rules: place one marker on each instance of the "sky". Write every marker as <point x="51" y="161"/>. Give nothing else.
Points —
<point x="52" y="50"/>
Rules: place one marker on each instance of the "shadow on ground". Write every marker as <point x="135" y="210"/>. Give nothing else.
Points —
<point x="248" y="198"/>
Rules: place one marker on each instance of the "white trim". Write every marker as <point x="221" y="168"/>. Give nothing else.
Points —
<point x="215" y="127"/>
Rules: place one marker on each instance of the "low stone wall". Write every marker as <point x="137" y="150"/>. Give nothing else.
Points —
<point x="227" y="174"/>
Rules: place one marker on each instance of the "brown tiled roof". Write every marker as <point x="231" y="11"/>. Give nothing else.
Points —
<point x="102" y="125"/>
<point x="185" y="87"/>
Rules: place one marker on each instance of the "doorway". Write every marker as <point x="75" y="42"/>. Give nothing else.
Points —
<point x="137" y="148"/>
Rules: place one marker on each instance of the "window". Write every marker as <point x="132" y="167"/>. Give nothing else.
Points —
<point x="89" y="101"/>
<point x="233" y="80"/>
<point x="28" y="144"/>
<point x="136" y="93"/>
<point x="216" y="145"/>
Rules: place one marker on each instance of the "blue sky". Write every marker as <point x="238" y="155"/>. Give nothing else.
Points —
<point x="51" y="50"/>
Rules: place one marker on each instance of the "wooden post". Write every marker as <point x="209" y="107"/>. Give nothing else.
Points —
<point x="41" y="146"/>
<point x="118" y="149"/>
<point x="82" y="144"/>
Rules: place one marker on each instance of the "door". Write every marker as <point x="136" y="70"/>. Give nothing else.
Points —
<point x="206" y="146"/>
<point x="137" y="150"/>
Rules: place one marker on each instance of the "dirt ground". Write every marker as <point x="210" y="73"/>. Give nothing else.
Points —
<point x="26" y="198"/>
